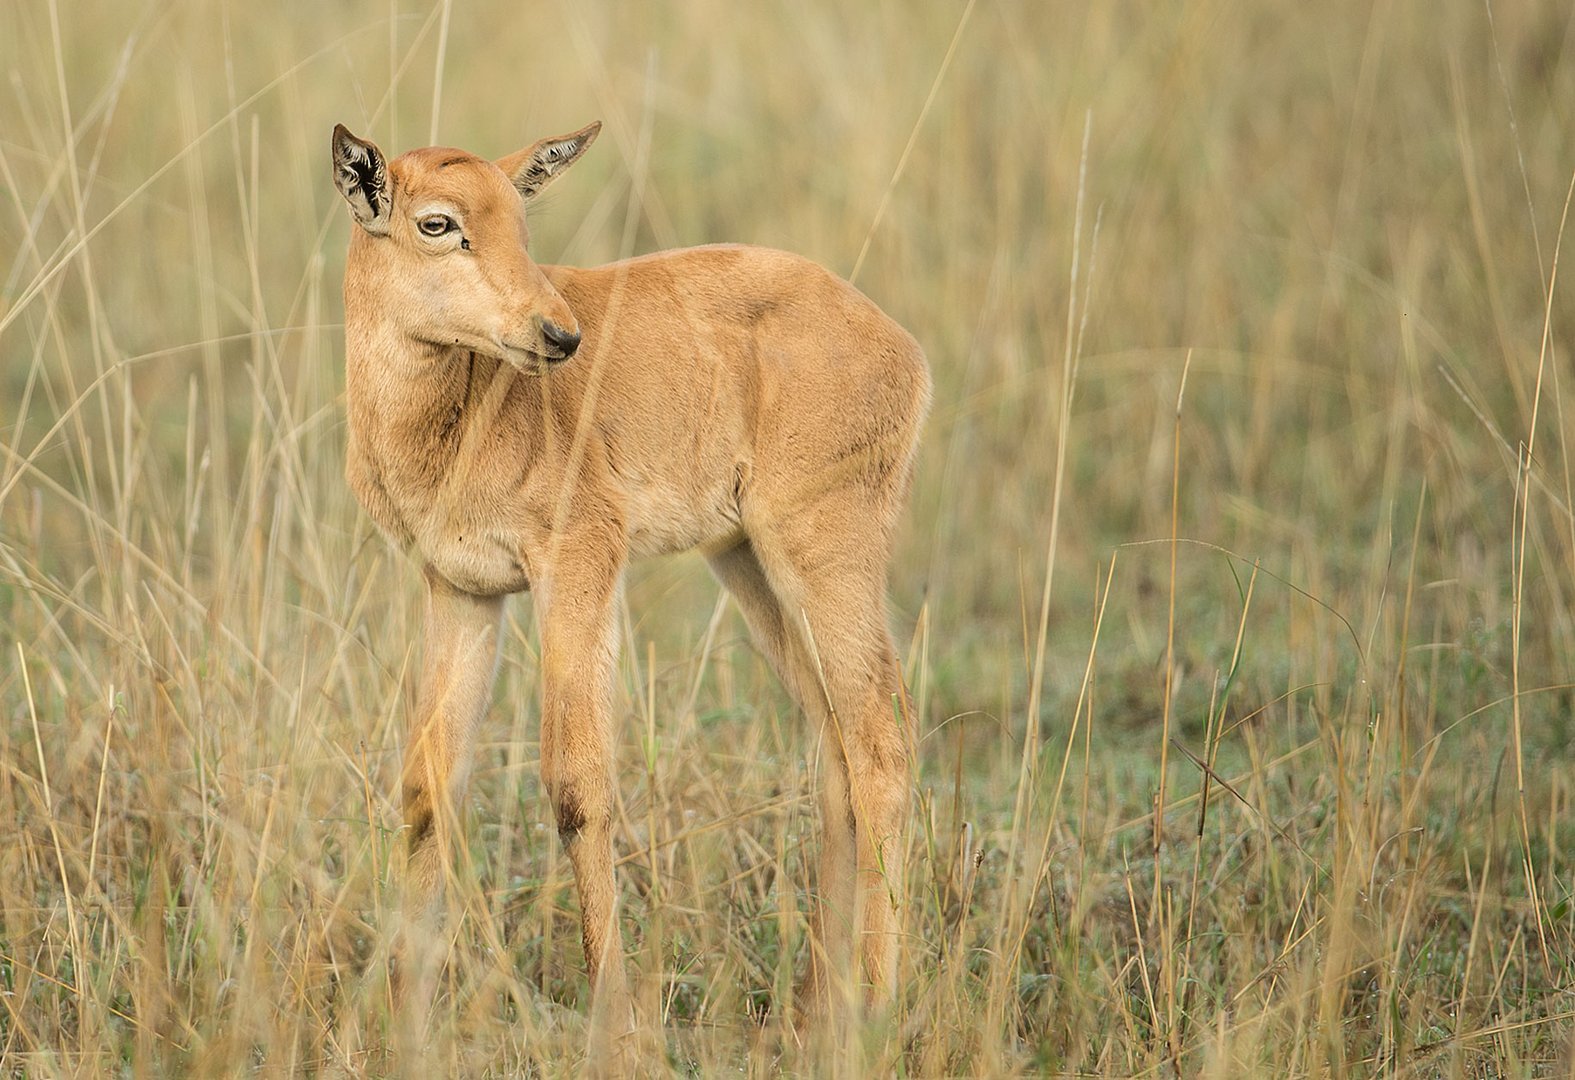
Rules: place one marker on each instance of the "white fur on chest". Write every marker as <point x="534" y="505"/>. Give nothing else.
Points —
<point x="471" y="553"/>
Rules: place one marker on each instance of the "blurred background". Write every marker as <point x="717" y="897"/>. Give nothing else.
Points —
<point x="1278" y="280"/>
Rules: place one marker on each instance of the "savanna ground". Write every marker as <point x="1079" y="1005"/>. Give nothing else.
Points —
<point x="1277" y="280"/>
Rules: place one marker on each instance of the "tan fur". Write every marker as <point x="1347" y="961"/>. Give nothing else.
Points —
<point x="741" y="401"/>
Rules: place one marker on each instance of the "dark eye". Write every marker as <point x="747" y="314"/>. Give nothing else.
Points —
<point x="437" y="224"/>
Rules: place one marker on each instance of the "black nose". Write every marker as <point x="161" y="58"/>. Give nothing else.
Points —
<point x="565" y="341"/>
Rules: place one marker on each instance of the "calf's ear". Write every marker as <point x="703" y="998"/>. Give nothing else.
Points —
<point x="361" y="175"/>
<point x="539" y="164"/>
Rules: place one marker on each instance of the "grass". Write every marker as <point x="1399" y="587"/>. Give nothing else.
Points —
<point x="1245" y="713"/>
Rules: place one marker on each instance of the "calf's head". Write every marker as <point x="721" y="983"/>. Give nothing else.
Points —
<point x="439" y="251"/>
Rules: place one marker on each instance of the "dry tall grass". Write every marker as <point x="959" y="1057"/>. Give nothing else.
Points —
<point x="1347" y="681"/>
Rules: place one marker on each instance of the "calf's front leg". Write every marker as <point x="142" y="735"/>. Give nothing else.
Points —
<point x="579" y="654"/>
<point x="458" y="665"/>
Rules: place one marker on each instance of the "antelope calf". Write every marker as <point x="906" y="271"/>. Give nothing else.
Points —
<point x="519" y="426"/>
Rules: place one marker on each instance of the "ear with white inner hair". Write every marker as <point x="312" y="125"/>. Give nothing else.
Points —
<point x="539" y="164"/>
<point x="361" y="175"/>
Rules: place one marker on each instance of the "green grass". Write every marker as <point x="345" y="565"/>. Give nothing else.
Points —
<point x="1340" y="221"/>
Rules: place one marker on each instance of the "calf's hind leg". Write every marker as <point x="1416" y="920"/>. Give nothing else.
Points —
<point x="738" y="569"/>
<point x="828" y="573"/>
